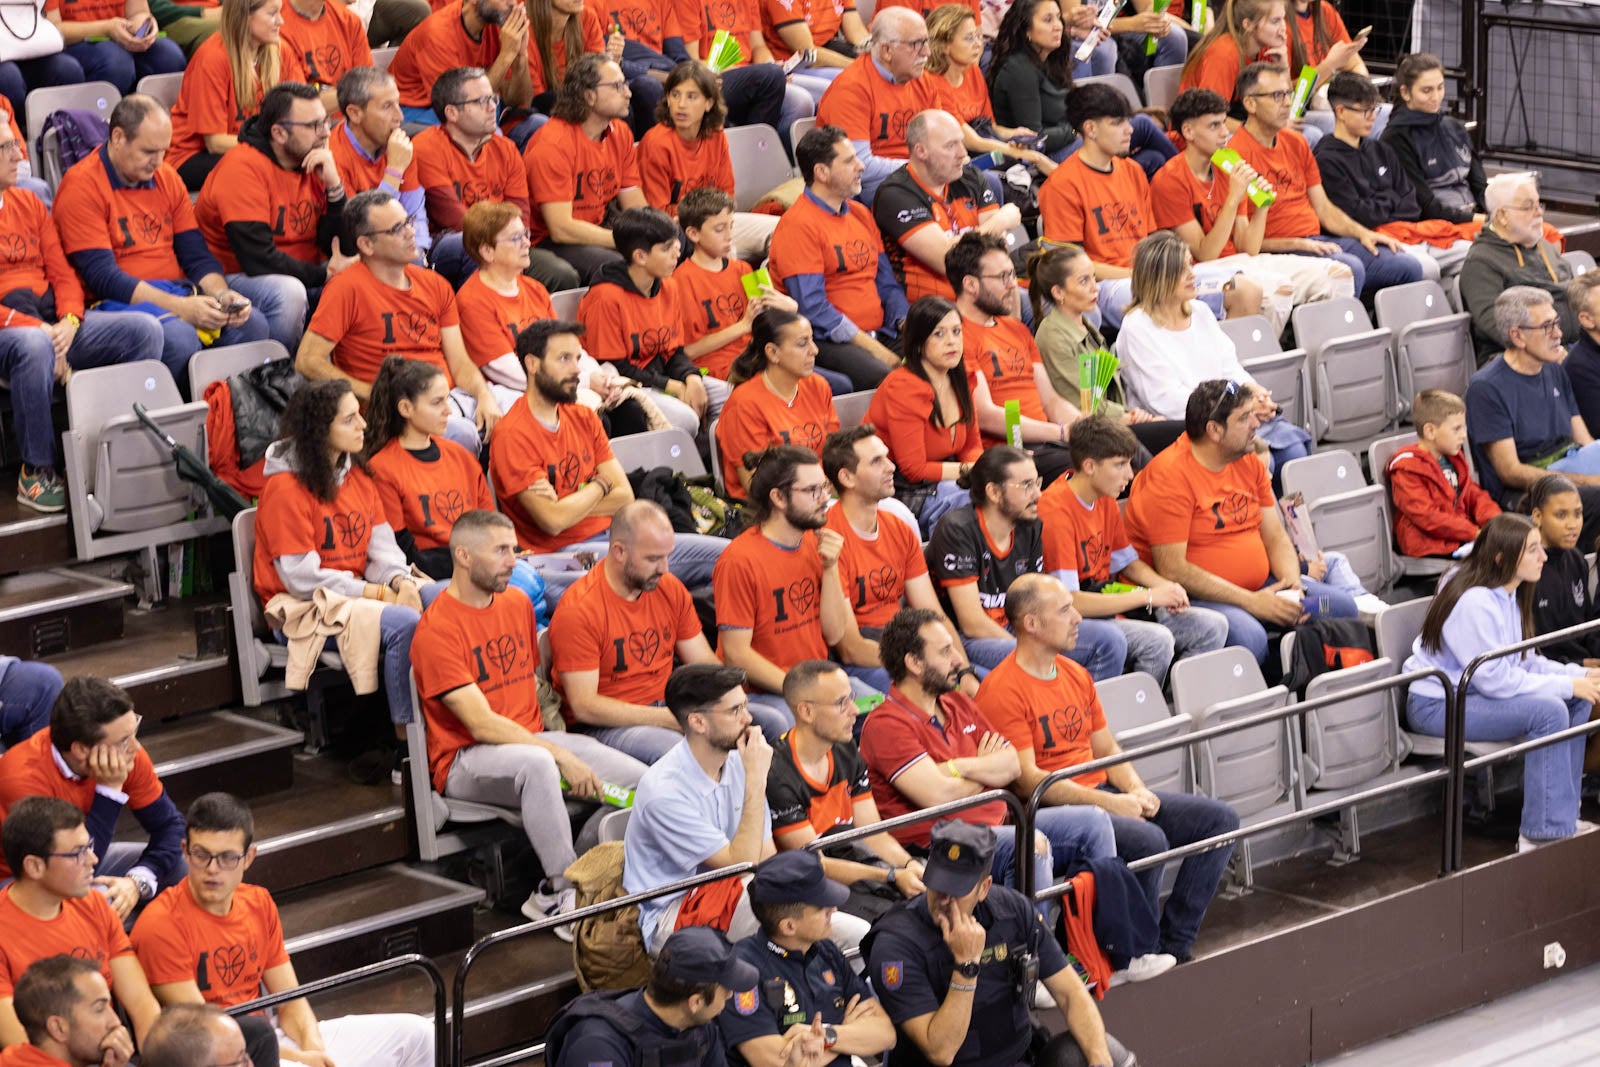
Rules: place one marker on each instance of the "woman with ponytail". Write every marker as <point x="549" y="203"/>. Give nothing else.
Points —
<point x="1245" y="32"/>
<point x="425" y="481"/>
<point x="777" y="397"/>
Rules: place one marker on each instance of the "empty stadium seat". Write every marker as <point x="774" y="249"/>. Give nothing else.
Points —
<point x="564" y="302"/>
<point x="1284" y="373"/>
<point x="759" y="163"/>
<point x="382" y="57"/>
<point x="1120" y="82"/>
<point x="164" y="87"/>
<point x="218" y="364"/>
<point x="1580" y="261"/>
<point x="1379" y="453"/>
<point x="1348" y="515"/>
<point x="1138" y="715"/>
<point x="1352" y="371"/>
<point x="1161" y="85"/>
<point x="659" y="448"/>
<point x="1432" y="344"/>
<point x="852" y="408"/>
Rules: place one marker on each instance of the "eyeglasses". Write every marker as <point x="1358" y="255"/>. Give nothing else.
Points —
<point x="1279" y="96"/>
<point x="1551" y="328"/>
<point x="491" y="101"/>
<point x="846" y="701"/>
<point x="1231" y="389"/>
<point x="1364" y="112"/>
<point x="316" y="124"/>
<point x="81" y="855"/>
<point x="815" y="492"/>
<point x="1004" y="277"/>
<point x="225" y="861"/>
<point x="521" y="238"/>
<point x="620" y="85"/>
<point x="919" y="45"/>
<point x="735" y="711"/>
<point x="243" y="1060"/>
<point x="127" y="743"/>
<point x="1029" y="485"/>
<point x="1536" y="207"/>
<point x="13" y="147"/>
<point x="393" y="231"/>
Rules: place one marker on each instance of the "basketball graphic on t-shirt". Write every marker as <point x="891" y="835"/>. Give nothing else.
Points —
<point x="1067" y="723"/>
<point x="324" y="61"/>
<point x="228" y="961"/>
<point x="350" y="528"/>
<point x="448" y="504"/>
<point x="1094" y="555"/>
<point x="638" y="24"/>
<point x="571" y="469"/>
<point x="148" y="227"/>
<point x="473" y="190"/>
<point x="13" y="247"/>
<point x="857" y="255"/>
<point x="892" y="124"/>
<point x="501" y="652"/>
<point x="1232" y="510"/>
<point x="803" y="595"/>
<point x="302" y="217"/>
<point x="648" y="345"/>
<point x="599" y="184"/>
<point x="643" y="646"/>
<point x="883" y="582"/>
<point x="415" y="326"/>
<point x="721" y="15"/>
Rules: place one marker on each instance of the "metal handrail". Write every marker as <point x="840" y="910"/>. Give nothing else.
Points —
<point x="1024" y="868"/>
<point x="1397" y="681"/>
<point x="361" y="974"/>
<point x="1456" y="719"/>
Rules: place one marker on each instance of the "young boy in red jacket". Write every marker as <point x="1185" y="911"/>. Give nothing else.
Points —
<point x="1438" y="508"/>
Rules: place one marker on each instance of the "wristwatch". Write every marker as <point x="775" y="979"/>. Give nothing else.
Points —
<point x="968" y="970"/>
<point x="830" y="1036"/>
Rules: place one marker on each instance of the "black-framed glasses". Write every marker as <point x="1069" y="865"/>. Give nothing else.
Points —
<point x="225" y="861"/>
<point x="1279" y="96"/>
<point x="393" y="231"/>
<point x="1216" y="416"/>
<point x="1552" y="327"/>
<point x="80" y="855"/>
<point x="1004" y="277"/>
<point x="919" y="45"/>
<point x="491" y="101"/>
<point x="620" y="85"/>
<point x="815" y="492"/>
<point x="322" y="124"/>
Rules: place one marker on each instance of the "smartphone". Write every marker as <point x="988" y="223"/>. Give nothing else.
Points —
<point x="1365" y="31"/>
<point x="146" y="29"/>
<point x="234" y="308"/>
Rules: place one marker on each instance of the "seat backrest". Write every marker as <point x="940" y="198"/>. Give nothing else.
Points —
<point x="1138" y="715"/>
<point x="382" y="57"/>
<point x="1321" y="321"/>
<point x="1381" y="451"/>
<point x="564" y="302"/>
<point x="99" y="97"/>
<point x="49" y="159"/>
<point x="1580" y="261"/>
<point x="99" y="394"/>
<point x="216" y="364"/>
<point x="1132" y="699"/>
<point x="1120" y="82"/>
<point x="1398" y="626"/>
<point x="1197" y="681"/>
<point x="659" y="448"/>
<point x="165" y="87"/>
<point x="852" y="408"/>
<point x="135" y="485"/>
<point x="1248" y="769"/>
<point x="716" y="456"/>
<point x="1161" y="85"/>
<point x="244" y="559"/>
<point x="1251" y="336"/>
<point x="1400" y="305"/>
<point x="1352" y="741"/>
<point x="1323" y="474"/>
<point x="1283" y="374"/>
<point x="800" y="127"/>
<point x="759" y="163"/>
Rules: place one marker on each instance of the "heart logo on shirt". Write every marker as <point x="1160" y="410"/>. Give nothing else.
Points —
<point x="1067" y="722"/>
<point x="229" y="962"/>
<point x="303" y="217"/>
<point x="721" y="15"/>
<point x="600" y="184"/>
<point x="643" y="646"/>
<point x="636" y="23"/>
<point x="572" y="471"/>
<point x="13" y="248"/>
<point x="803" y="595"/>
<point x="150" y="227"/>
<point x="501" y="652"/>
<point x="351" y="527"/>
<point x="858" y="255"/>
<point x="325" y="61"/>
<point x="473" y="190"/>
<point x="415" y="326"/>
<point x="899" y="119"/>
<point x="883" y="582"/>
<point x="448" y="504"/>
<point x="804" y="435"/>
<point x="652" y="344"/>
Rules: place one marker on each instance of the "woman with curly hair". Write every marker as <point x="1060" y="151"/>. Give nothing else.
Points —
<point x="425" y="481"/>
<point x="321" y="525"/>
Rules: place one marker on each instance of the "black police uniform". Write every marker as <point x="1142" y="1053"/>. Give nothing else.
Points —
<point x="620" y="1030"/>
<point x="911" y="966"/>
<point x="794" y="988"/>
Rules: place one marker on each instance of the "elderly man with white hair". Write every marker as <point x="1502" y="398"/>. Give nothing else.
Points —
<point x="1511" y="250"/>
<point x="875" y="98"/>
<point x="1522" y="416"/>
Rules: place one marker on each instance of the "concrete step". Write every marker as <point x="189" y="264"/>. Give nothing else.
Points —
<point x="222" y="750"/>
<point x="29" y="539"/>
<point x="325" y="827"/>
<point x="49" y="612"/>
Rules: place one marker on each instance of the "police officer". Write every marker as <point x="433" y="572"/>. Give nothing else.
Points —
<point x="806" y="982"/>
<point x="669" y="1023"/>
<point x="956" y="970"/>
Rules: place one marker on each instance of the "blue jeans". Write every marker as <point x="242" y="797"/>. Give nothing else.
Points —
<point x="16" y="78"/>
<point x="1247" y="631"/>
<point x="1101" y="650"/>
<point x="644" y="743"/>
<point x="281" y="299"/>
<point x="28" y="359"/>
<point x="1585" y="460"/>
<point x="180" y="341"/>
<point x="1550" y="775"/>
<point x="1152" y="646"/>
<point x="1074" y="834"/>
<point x="28" y="690"/>
<point x="945" y="496"/>
<point x="692" y="560"/>
<point x="396" y="626"/>
<point x="421" y="115"/>
<point x="1183" y="819"/>
<point x="108" y="61"/>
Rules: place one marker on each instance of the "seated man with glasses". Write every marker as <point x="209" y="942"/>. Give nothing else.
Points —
<point x="270" y="208"/>
<point x="1364" y="178"/>
<point x="386" y="305"/>
<point x="90" y="756"/>
<point x="1522" y="416"/>
<point x="1202" y="513"/>
<point x="1511" y="249"/>
<point x="52" y="909"/>
<point x="214" y="939"/>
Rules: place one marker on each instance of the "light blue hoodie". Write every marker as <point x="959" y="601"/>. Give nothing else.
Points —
<point x="1487" y="618"/>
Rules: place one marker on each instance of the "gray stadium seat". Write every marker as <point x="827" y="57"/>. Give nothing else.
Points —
<point x="99" y="97"/>
<point x="1352" y="372"/>
<point x="564" y="302"/>
<point x="1432" y="344"/>
<point x="164" y="87"/>
<point x="1161" y="85"/>
<point x="716" y="456"/>
<point x="1285" y="373"/>
<point x="1120" y="82"/>
<point x="382" y="57"/>
<point x="1580" y="261"/>
<point x="1347" y="514"/>
<point x="1138" y="715"/>
<point x="217" y="364"/>
<point x="434" y="811"/>
<point x="798" y="129"/>
<point x="852" y="408"/>
<point x="659" y="448"/>
<point x="759" y="163"/>
<point x="1379" y="453"/>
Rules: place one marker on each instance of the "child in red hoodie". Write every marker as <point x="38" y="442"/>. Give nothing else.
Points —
<point x="1437" y="506"/>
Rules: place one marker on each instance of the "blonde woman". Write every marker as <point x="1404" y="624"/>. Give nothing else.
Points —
<point x="224" y="84"/>
<point x="955" y="45"/>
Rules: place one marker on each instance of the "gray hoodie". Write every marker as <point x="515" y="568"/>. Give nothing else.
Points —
<point x="304" y="574"/>
<point x="1493" y="266"/>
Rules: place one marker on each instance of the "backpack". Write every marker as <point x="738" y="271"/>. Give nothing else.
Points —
<point x="78" y="133"/>
<point x="1323" y="645"/>
<point x="607" y="950"/>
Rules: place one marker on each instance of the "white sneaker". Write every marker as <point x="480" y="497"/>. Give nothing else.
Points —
<point x="1369" y="606"/>
<point x="545" y="902"/>
<point x="1143" y="968"/>
<point x="1528" y="844"/>
<point x="1584" y="826"/>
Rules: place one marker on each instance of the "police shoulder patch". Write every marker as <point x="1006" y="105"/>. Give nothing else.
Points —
<point x="744" y="1003"/>
<point x="893" y="972"/>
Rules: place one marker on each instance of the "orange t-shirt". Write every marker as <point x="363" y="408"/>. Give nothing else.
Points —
<point x="87" y="10"/>
<point x="873" y="572"/>
<point x="33" y="259"/>
<point x="26" y="1055"/>
<point x="870" y="107"/>
<point x="1217" y="514"/>
<point x="86" y="928"/>
<point x="565" y="166"/>
<point x="922" y="7"/>
<point x="225" y="955"/>
<point x="136" y="224"/>
<point x="1217" y="69"/>
<point x="708" y="301"/>
<point x="650" y="22"/>
<point x="368" y="321"/>
<point x="900" y="411"/>
<point x="1302" y="27"/>
<point x="496" y="175"/>
<point x="523" y="450"/>
<point x="626" y="326"/>
<point x="1292" y="171"/>
<point x="701" y="19"/>
<point x="1177" y="197"/>
<point x="1005" y="354"/>
<point x="436" y="44"/>
<point x="427" y="497"/>
<point x="1079" y="538"/>
<point x="490" y="322"/>
<point x="1105" y="213"/>
<point x="755" y="417"/>
<point x="843" y="248"/>
<point x="291" y="522"/>
<point x="775" y="593"/>
<point x="494" y="648"/>
<point x="327" y="45"/>
<point x="29" y="769"/>
<point x="631" y="643"/>
<point x="669" y="166"/>
<point x="247" y="185"/>
<point x="1055" y="718"/>
<point x="594" y="40"/>
<point x="969" y="101"/>
<point x="356" y="171"/>
<point x="821" y="16"/>
<point x="206" y="102"/>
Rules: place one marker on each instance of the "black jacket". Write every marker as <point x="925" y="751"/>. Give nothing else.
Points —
<point x="1366" y="183"/>
<point x="252" y="242"/>
<point x="1436" y="154"/>
<point x="1562" y="599"/>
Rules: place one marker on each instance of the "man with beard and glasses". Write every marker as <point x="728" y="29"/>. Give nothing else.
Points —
<point x="272" y="206"/>
<point x="615" y="633"/>
<point x="492" y="34"/>
<point x="1203" y="515"/>
<point x="777" y="587"/>
<point x="554" y="472"/>
<point x="475" y="654"/>
<point x="977" y="551"/>
<point x="930" y="744"/>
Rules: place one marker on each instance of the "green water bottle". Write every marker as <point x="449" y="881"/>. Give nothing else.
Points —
<point x="616" y="796"/>
<point x="1225" y="159"/>
<point x="1159" y="7"/>
<point x="1014" y="423"/>
<point x="1302" y="91"/>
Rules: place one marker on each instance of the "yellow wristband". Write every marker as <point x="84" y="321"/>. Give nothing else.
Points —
<point x="76" y="322"/>
<point x="950" y="765"/>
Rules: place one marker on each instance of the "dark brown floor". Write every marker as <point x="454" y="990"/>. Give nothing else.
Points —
<point x="153" y="638"/>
